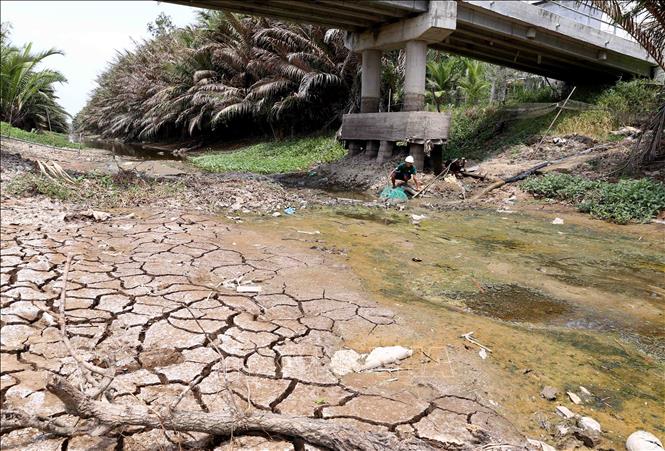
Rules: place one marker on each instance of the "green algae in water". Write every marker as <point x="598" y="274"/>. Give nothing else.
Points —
<point x="514" y="303"/>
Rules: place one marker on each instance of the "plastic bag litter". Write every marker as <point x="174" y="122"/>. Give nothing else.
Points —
<point x="385" y="355"/>
<point x="347" y="361"/>
<point x="393" y="193"/>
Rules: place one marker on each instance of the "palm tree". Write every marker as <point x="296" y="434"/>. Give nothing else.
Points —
<point x="442" y="78"/>
<point x="27" y="95"/>
<point x="227" y="74"/>
<point x="474" y="86"/>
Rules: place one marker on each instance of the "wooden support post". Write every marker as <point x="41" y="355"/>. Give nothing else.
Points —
<point x="386" y="149"/>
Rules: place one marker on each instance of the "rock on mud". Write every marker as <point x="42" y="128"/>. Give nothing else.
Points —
<point x="643" y="441"/>
<point x="589" y="424"/>
<point x="549" y="393"/>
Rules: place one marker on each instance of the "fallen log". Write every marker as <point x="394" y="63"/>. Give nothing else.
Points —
<point x="318" y="432"/>
<point x="524" y="174"/>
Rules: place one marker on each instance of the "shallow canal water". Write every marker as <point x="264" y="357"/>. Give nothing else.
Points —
<point x="578" y="304"/>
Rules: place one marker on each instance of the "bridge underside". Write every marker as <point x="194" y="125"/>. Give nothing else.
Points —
<point x="508" y="33"/>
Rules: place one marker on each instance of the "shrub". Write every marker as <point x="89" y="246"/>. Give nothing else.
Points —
<point x="621" y="202"/>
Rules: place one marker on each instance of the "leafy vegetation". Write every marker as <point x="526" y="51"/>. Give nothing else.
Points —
<point x="480" y="131"/>
<point x="226" y="76"/>
<point x="621" y="202"/>
<point x="274" y="157"/>
<point x="101" y="191"/>
<point x="41" y="137"/>
<point x="27" y="93"/>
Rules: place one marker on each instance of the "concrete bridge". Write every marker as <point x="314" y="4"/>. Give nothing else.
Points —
<point x="524" y="35"/>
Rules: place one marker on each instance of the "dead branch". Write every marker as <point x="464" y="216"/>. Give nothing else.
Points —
<point x="315" y="431"/>
<point x="107" y="375"/>
<point x="470" y="338"/>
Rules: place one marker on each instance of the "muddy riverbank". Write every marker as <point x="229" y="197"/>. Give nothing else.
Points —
<point x="568" y="305"/>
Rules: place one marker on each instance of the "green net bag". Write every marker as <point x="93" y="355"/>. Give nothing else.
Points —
<point x="393" y="193"/>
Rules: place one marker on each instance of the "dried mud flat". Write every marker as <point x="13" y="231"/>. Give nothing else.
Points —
<point x="146" y="293"/>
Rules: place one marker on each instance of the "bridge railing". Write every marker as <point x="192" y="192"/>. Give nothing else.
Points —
<point x="582" y="13"/>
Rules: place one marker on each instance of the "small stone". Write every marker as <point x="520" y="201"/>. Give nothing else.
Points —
<point x="541" y="445"/>
<point x="549" y="393"/>
<point x="562" y="430"/>
<point x="585" y="391"/>
<point x="565" y="412"/>
<point x="589" y="438"/>
<point x="589" y="424"/>
<point x="574" y="398"/>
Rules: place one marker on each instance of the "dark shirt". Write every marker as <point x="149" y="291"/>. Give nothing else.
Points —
<point x="404" y="172"/>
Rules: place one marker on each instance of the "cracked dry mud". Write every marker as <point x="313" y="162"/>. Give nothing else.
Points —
<point x="146" y="292"/>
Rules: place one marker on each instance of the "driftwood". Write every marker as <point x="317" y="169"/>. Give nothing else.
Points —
<point x="534" y="170"/>
<point x="442" y="174"/>
<point x="315" y="431"/>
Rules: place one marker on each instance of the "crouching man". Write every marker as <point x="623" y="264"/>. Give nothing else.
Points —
<point x="402" y="174"/>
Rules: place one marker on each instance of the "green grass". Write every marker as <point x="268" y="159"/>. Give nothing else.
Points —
<point x="47" y="138"/>
<point x="274" y="157"/>
<point x="622" y="202"/>
<point x="478" y="132"/>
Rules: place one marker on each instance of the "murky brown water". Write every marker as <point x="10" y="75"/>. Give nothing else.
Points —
<point x="565" y="305"/>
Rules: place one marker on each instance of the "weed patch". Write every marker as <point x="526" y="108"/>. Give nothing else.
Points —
<point x="622" y="202"/>
<point x="102" y="191"/>
<point x="274" y="157"/>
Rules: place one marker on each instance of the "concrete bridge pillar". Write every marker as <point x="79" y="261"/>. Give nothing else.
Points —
<point x="414" y="77"/>
<point x="414" y="90"/>
<point x="385" y="151"/>
<point x="370" y="90"/>
<point x="370" y="87"/>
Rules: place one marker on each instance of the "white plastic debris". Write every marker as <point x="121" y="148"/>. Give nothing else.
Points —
<point x="415" y="219"/>
<point x="585" y="391"/>
<point x="386" y="355"/>
<point x="348" y="361"/>
<point x="315" y="232"/>
<point x="248" y="289"/>
<point x="643" y="441"/>
<point x="345" y="361"/>
<point x="557" y="221"/>
<point x="565" y="412"/>
<point x="574" y="398"/>
<point x="589" y="424"/>
<point x="482" y="353"/>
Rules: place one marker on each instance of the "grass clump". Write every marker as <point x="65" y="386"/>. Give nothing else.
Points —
<point x="40" y="137"/>
<point x="622" y="202"/>
<point x="274" y="157"/>
<point x="100" y="191"/>
<point x="30" y="184"/>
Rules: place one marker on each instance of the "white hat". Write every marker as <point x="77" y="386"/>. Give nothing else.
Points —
<point x="409" y="159"/>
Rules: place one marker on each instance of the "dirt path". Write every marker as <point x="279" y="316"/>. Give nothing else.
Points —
<point x="96" y="160"/>
<point x="134" y="287"/>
